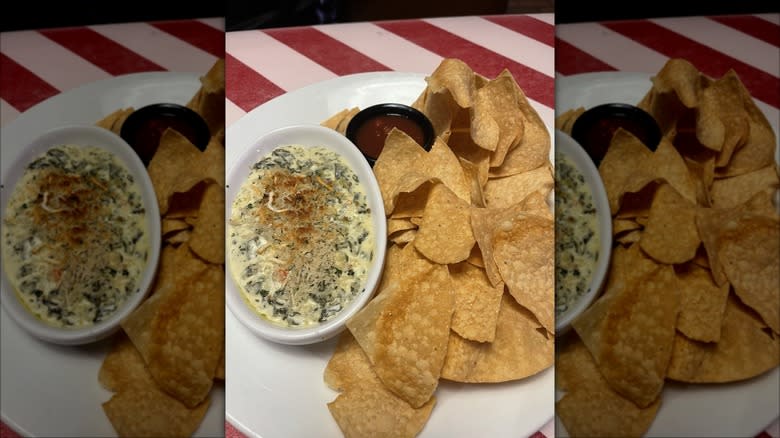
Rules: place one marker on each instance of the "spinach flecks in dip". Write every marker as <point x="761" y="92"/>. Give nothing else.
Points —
<point x="576" y="235"/>
<point x="300" y="236"/>
<point x="74" y="236"/>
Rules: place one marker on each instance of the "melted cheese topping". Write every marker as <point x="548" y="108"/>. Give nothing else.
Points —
<point x="576" y="235"/>
<point x="74" y="238"/>
<point x="301" y="240"/>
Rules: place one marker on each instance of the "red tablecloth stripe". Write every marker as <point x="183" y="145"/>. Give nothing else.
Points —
<point x="529" y="26"/>
<point x="326" y="50"/>
<point x="20" y="87"/>
<point x="536" y="85"/>
<point x="708" y="60"/>
<point x="571" y="60"/>
<point x="196" y="33"/>
<point x="103" y="52"/>
<point x="248" y="88"/>
<point x="753" y="26"/>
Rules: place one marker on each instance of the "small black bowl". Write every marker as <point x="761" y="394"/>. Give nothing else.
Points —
<point x="368" y="129"/>
<point x="594" y="128"/>
<point x="144" y="127"/>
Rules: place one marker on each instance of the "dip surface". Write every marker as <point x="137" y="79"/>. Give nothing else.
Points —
<point x="300" y="236"/>
<point x="75" y="242"/>
<point x="576" y="234"/>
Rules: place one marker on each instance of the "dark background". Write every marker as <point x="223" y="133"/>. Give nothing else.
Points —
<point x="249" y="14"/>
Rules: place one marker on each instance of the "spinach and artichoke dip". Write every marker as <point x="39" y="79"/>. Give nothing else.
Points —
<point x="74" y="236"/>
<point x="576" y="234"/>
<point x="301" y="240"/>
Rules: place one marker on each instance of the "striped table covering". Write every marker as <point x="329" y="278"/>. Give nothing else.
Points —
<point x="750" y="44"/>
<point x="38" y="64"/>
<point x="263" y="64"/>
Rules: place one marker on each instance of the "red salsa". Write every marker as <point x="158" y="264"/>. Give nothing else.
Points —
<point x="370" y="136"/>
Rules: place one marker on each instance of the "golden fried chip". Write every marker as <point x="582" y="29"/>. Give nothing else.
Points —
<point x="113" y="122"/>
<point x="630" y="329"/>
<point x="505" y="191"/>
<point x="209" y="102"/>
<point x="374" y="412"/>
<point x="532" y="147"/>
<point x="166" y="170"/>
<point x="598" y="411"/>
<point x="464" y="148"/>
<point x="681" y="77"/>
<point x="670" y="235"/>
<point x="172" y="225"/>
<point x="746" y="349"/>
<point x="565" y="122"/>
<point x="404" y="332"/>
<point x="702" y="303"/>
<point x="721" y="120"/>
<point x="123" y="366"/>
<point x="441" y="163"/>
<point x="524" y="252"/>
<point x="590" y="407"/>
<point x="496" y="122"/>
<point x="174" y="262"/>
<point x="732" y="191"/>
<point x="622" y="167"/>
<point x="758" y="151"/>
<point x="188" y="335"/>
<point x="575" y="367"/>
<point x="138" y="407"/>
<point x="149" y="412"/>
<point x="208" y="233"/>
<point x="349" y="367"/>
<point x="456" y="77"/>
<point x="477" y="303"/>
<point x="445" y="234"/>
<point x="749" y="256"/>
<point x="520" y="349"/>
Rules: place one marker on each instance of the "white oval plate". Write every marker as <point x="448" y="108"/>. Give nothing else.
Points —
<point x="687" y="410"/>
<point x="277" y="391"/>
<point x="51" y="390"/>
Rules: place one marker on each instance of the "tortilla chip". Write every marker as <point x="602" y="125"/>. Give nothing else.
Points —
<point x="114" y="121"/>
<point x="524" y="252"/>
<point x="520" y="349"/>
<point x="373" y="412"/>
<point x="670" y="235"/>
<point x="445" y="235"/>
<point x="208" y="233"/>
<point x="730" y="192"/>
<point x="749" y="255"/>
<point x="123" y="366"/>
<point x="505" y="191"/>
<point x="630" y="329"/>
<point x="477" y="303"/>
<point x="455" y="76"/>
<point x="702" y="303"/>
<point x="188" y="336"/>
<point x="166" y="172"/>
<point x="601" y="412"/>
<point x="149" y="412"/>
<point x="746" y="349"/>
<point x="404" y="332"/>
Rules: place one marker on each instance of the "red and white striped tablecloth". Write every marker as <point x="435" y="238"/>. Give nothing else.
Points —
<point x="36" y="65"/>
<point x="263" y="64"/>
<point x="749" y="44"/>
